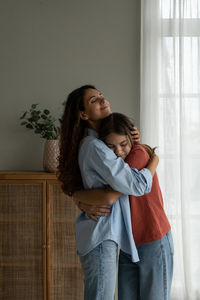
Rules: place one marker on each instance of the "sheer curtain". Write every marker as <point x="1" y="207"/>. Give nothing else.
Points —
<point x="170" y="119"/>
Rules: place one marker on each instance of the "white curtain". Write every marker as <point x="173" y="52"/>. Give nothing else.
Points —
<point x="170" y="119"/>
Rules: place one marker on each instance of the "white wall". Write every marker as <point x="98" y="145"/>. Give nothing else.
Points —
<point x="48" y="48"/>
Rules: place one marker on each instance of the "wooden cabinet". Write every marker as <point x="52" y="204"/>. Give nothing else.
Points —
<point x="37" y="242"/>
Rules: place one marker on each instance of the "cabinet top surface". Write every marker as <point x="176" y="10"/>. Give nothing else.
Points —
<point x="26" y="175"/>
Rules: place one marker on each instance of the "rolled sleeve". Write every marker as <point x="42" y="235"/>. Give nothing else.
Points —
<point x="147" y="174"/>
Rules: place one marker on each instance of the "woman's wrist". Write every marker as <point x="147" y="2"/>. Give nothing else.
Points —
<point x="153" y="163"/>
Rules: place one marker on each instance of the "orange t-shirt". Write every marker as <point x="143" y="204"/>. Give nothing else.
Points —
<point x="148" y="218"/>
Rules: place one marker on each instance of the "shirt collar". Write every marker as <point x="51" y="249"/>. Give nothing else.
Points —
<point x="91" y="132"/>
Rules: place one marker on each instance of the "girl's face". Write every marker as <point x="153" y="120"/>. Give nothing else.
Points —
<point x="96" y="107"/>
<point x="120" y="144"/>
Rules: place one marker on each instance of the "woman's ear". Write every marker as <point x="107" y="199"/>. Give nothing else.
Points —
<point x="83" y="115"/>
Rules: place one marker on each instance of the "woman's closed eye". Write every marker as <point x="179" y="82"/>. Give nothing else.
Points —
<point x="96" y="98"/>
<point x="93" y="100"/>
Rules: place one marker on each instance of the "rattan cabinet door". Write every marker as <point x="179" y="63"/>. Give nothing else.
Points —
<point x="22" y="240"/>
<point x="65" y="277"/>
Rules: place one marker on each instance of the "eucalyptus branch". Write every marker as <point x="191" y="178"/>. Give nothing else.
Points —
<point x="41" y="122"/>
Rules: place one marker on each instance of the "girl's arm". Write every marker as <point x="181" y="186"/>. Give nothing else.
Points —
<point x="98" y="201"/>
<point x="95" y="202"/>
<point x="93" y="211"/>
<point x="97" y="197"/>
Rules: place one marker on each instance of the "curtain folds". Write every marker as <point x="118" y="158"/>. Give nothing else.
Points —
<point x="170" y="119"/>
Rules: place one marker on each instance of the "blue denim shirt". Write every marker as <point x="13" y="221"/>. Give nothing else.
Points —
<point x="100" y="168"/>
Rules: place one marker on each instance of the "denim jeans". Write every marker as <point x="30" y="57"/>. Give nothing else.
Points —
<point x="151" y="277"/>
<point x="100" y="269"/>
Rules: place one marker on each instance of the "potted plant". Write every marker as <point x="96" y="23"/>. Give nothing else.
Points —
<point x="42" y="122"/>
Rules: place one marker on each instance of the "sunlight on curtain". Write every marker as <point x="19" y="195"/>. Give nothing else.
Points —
<point x="170" y="119"/>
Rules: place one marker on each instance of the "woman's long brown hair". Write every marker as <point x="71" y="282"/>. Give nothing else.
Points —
<point x="72" y="132"/>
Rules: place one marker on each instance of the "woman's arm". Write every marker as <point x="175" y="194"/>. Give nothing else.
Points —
<point x="114" y="171"/>
<point x="135" y="135"/>
<point x="152" y="164"/>
<point x="97" y="202"/>
<point x="143" y="156"/>
<point x="102" y="196"/>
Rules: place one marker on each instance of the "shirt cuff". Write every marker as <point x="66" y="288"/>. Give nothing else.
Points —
<point x="147" y="174"/>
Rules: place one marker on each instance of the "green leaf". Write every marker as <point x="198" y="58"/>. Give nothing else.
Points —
<point x="30" y="119"/>
<point x="35" y="118"/>
<point x="41" y="121"/>
<point x="46" y="111"/>
<point x="29" y="126"/>
<point x="41" y="126"/>
<point x="37" y="131"/>
<point x="23" y="123"/>
<point x="24" y="114"/>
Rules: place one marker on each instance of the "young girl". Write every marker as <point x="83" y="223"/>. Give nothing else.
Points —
<point x="81" y="150"/>
<point x="150" y="278"/>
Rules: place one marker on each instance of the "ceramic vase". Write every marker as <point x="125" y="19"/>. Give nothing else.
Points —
<point x="51" y="153"/>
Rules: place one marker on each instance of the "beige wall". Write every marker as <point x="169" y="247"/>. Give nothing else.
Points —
<point x="48" y="48"/>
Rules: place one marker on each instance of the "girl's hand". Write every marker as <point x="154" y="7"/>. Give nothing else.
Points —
<point x="135" y="135"/>
<point x="93" y="211"/>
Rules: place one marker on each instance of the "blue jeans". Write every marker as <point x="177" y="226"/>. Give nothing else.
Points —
<point x="151" y="277"/>
<point x="100" y="269"/>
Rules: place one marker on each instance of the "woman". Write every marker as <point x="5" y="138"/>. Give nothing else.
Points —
<point x="97" y="242"/>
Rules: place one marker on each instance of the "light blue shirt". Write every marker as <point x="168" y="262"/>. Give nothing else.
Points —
<point x="100" y="168"/>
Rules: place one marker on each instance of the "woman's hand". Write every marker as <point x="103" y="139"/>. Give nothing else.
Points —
<point x="153" y="163"/>
<point x="93" y="211"/>
<point x="135" y="135"/>
<point x="149" y="150"/>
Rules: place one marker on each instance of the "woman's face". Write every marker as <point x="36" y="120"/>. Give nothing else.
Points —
<point x="120" y="144"/>
<point x="96" y="106"/>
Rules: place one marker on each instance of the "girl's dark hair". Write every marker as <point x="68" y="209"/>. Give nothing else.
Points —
<point x="120" y="124"/>
<point x="116" y="123"/>
<point x="72" y="131"/>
